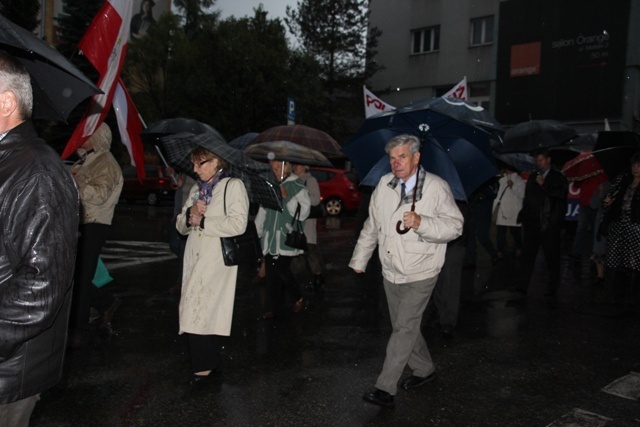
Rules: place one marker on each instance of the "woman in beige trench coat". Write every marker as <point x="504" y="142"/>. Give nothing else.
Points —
<point x="208" y="285"/>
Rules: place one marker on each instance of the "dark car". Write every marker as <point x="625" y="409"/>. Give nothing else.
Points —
<point x="338" y="189"/>
<point x="154" y="188"/>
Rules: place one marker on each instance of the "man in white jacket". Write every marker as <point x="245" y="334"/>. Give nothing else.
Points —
<point x="411" y="261"/>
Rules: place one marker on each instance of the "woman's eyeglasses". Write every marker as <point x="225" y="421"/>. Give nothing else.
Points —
<point x="200" y="164"/>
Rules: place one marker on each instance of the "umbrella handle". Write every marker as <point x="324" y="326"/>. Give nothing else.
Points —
<point x="401" y="230"/>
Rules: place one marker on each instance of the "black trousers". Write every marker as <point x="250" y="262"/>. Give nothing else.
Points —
<point x="205" y="352"/>
<point x="92" y="238"/>
<point x="551" y="242"/>
<point x="280" y="279"/>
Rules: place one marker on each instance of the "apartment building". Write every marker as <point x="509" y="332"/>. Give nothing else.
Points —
<point x="578" y="62"/>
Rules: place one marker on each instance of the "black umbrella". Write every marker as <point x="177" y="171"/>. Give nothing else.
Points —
<point x="58" y="86"/>
<point x="287" y="151"/>
<point x="535" y="134"/>
<point x="258" y="178"/>
<point x="176" y="125"/>
<point x="614" y="149"/>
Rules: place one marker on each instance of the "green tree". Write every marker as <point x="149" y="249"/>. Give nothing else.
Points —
<point x="150" y="67"/>
<point x="21" y="12"/>
<point x="234" y="74"/>
<point x="335" y="32"/>
<point x="73" y="23"/>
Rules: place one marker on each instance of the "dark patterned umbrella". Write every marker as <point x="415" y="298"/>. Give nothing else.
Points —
<point x="259" y="180"/>
<point x="287" y="151"/>
<point x="58" y="86"/>
<point x="302" y="135"/>
<point x="177" y="125"/>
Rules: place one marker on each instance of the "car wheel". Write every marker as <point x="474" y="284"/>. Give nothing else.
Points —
<point x="333" y="206"/>
<point x="152" y="199"/>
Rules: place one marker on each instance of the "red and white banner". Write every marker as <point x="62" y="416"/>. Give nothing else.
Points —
<point x="130" y="125"/>
<point x="373" y="104"/>
<point x="105" y="45"/>
<point x="458" y="91"/>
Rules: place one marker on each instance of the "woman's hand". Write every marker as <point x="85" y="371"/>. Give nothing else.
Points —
<point x="195" y="219"/>
<point x="607" y="201"/>
<point x="196" y="212"/>
<point x="200" y="207"/>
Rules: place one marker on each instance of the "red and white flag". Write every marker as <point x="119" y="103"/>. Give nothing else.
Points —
<point x="458" y="91"/>
<point x="105" y="45"/>
<point x="373" y="104"/>
<point x="130" y="125"/>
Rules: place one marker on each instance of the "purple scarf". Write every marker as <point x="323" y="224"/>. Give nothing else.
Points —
<point x="205" y="189"/>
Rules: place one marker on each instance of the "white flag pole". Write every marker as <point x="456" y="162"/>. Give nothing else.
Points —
<point x="173" y="176"/>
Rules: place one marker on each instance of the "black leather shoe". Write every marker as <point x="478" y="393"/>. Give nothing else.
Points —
<point x="204" y="380"/>
<point x="415" y="382"/>
<point x="380" y="398"/>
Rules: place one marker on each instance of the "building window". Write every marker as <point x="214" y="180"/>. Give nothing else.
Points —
<point x="482" y="31"/>
<point x="425" y="40"/>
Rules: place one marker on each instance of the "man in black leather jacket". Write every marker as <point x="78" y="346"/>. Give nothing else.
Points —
<point x="38" y="223"/>
<point x="543" y="210"/>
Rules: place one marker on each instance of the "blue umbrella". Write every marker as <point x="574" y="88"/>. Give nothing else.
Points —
<point x="464" y="165"/>
<point x="447" y="116"/>
<point x="456" y="139"/>
<point x="364" y="152"/>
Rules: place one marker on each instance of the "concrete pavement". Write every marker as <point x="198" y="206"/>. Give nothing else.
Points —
<point x="544" y="363"/>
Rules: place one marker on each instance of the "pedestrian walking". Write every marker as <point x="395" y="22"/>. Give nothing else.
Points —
<point x="622" y="258"/>
<point x="479" y="224"/>
<point x="446" y="295"/>
<point x="99" y="179"/>
<point x="506" y="206"/>
<point x="312" y="255"/>
<point x="412" y="244"/>
<point x="543" y="210"/>
<point x="39" y="217"/>
<point x="272" y="227"/>
<point x="208" y="285"/>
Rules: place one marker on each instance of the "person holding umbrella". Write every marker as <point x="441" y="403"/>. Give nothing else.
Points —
<point x="543" y="210"/>
<point x="273" y="227"/>
<point x="313" y="256"/>
<point x="39" y="216"/>
<point x="208" y="285"/>
<point x="622" y="257"/>
<point x="412" y="244"/>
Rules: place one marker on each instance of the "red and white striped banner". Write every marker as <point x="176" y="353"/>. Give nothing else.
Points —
<point x="105" y="45"/>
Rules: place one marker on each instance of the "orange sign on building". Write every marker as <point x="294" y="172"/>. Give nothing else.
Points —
<point x="525" y="59"/>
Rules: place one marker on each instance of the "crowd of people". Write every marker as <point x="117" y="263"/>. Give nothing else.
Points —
<point x="55" y="223"/>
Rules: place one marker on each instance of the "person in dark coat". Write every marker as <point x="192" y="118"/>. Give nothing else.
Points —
<point x="543" y="210"/>
<point x="622" y="257"/>
<point x="39" y="209"/>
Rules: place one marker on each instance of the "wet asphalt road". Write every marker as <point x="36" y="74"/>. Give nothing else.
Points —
<point x="541" y="364"/>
